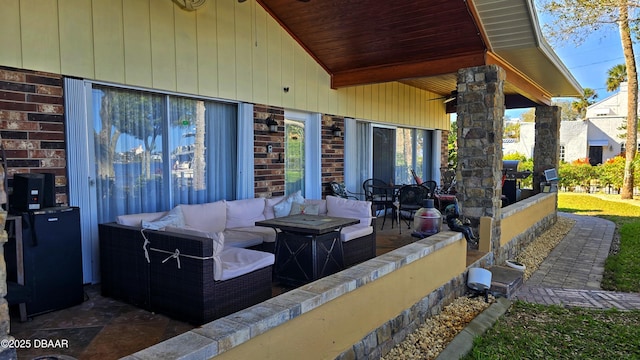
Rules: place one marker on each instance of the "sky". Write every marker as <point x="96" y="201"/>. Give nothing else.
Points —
<point x="589" y="62"/>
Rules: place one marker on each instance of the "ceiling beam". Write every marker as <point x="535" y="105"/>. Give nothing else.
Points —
<point x="405" y="70"/>
<point x="520" y="81"/>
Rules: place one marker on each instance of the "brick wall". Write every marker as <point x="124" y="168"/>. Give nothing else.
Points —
<point x="268" y="167"/>
<point x="32" y="125"/>
<point x="332" y="152"/>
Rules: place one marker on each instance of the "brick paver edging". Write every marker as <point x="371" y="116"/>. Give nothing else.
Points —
<point x="595" y="299"/>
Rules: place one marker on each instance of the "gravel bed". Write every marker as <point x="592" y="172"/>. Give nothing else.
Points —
<point x="437" y="332"/>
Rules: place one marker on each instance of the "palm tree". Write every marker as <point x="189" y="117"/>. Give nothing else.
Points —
<point x="616" y="75"/>
<point x="575" y="20"/>
<point x="589" y="96"/>
<point x="624" y="24"/>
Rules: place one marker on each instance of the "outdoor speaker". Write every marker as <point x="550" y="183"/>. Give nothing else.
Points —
<point x="49" y="193"/>
<point x="27" y="193"/>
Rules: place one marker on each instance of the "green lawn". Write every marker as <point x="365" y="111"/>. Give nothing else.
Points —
<point x="531" y="331"/>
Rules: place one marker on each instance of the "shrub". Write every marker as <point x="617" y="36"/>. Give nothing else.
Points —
<point x="577" y="173"/>
<point x="612" y="172"/>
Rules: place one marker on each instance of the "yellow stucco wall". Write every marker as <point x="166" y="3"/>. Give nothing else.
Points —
<point x="334" y="327"/>
<point x="226" y="49"/>
<point x="525" y="218"/>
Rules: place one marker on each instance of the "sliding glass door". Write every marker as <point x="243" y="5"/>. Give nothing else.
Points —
<point x="397" y="151"/>
<point x="155" y="151"/>
<point x="412" y="148"/>
<point x="384" y="145"/>
<point x="131" y="151"/>
<point x="294" y="159"/>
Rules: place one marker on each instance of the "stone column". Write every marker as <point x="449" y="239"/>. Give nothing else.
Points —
<point x="546" y="151"/>
<point x="480" y="107"/>
<point x="5" y="353"/>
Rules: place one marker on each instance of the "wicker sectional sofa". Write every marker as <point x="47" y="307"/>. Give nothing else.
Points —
<point x="170" y="269"/>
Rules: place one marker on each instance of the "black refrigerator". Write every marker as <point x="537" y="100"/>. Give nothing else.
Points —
<point x="52" y="259"/>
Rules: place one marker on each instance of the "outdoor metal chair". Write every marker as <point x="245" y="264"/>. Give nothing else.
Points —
<point x="382" y="196"/>
<point x="339" y="190"/>
<point x="410" y="199"/>
<point x="431" y="187"/>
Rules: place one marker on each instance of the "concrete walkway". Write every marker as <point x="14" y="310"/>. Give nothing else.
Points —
<point x="571" y="274"/>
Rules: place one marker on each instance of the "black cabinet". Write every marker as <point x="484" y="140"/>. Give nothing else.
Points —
<point x="51" y="259"/>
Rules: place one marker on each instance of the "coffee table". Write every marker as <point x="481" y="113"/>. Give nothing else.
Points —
<point x="308" y="247"/>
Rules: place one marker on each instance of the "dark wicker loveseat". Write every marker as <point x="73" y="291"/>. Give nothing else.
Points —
<point x="181" y="286"/>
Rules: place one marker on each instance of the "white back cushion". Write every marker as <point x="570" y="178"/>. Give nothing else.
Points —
<point x="348" y="208"/>
<point x="243" y="213"/>
<point x="211" y="217"/>
<point x="269" y="213"/>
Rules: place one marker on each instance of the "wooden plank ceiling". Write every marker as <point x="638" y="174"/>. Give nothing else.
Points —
<point x="418" y="42"/>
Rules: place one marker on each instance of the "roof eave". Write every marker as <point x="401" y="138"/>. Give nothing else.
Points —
<point x="518" y="46"/>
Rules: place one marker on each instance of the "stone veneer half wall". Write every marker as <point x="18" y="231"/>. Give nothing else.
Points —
<point x="537" y="214"/>
<point x="358" y="313"/>
<point x="325" y="316"/>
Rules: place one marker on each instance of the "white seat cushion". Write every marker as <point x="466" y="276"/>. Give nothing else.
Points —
<point x="241" y="239"/>
<point x="355" y="209"/>
<point x="355" y="231"/>
<point x="237" y="262"/>
<point x="188" y="230"/>
<point x="267" y="234"/>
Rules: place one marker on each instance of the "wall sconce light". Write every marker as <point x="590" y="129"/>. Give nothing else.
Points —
<point x="272" y="124"/>
<point x="336" y="131"/>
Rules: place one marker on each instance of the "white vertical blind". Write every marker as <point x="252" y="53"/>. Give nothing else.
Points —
<point x="80" y="178"/>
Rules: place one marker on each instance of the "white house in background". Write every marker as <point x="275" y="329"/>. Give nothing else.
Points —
<point x="523" y="144"/>
<point x="605" y="138"/>
<point x="597" y="137"/>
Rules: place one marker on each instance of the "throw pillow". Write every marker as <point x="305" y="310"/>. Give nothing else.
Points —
<point x="310" y="209"/>
<point x="283" y="208"/>
<point x="136" y="219"/>
<point x="173" y="218"/>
